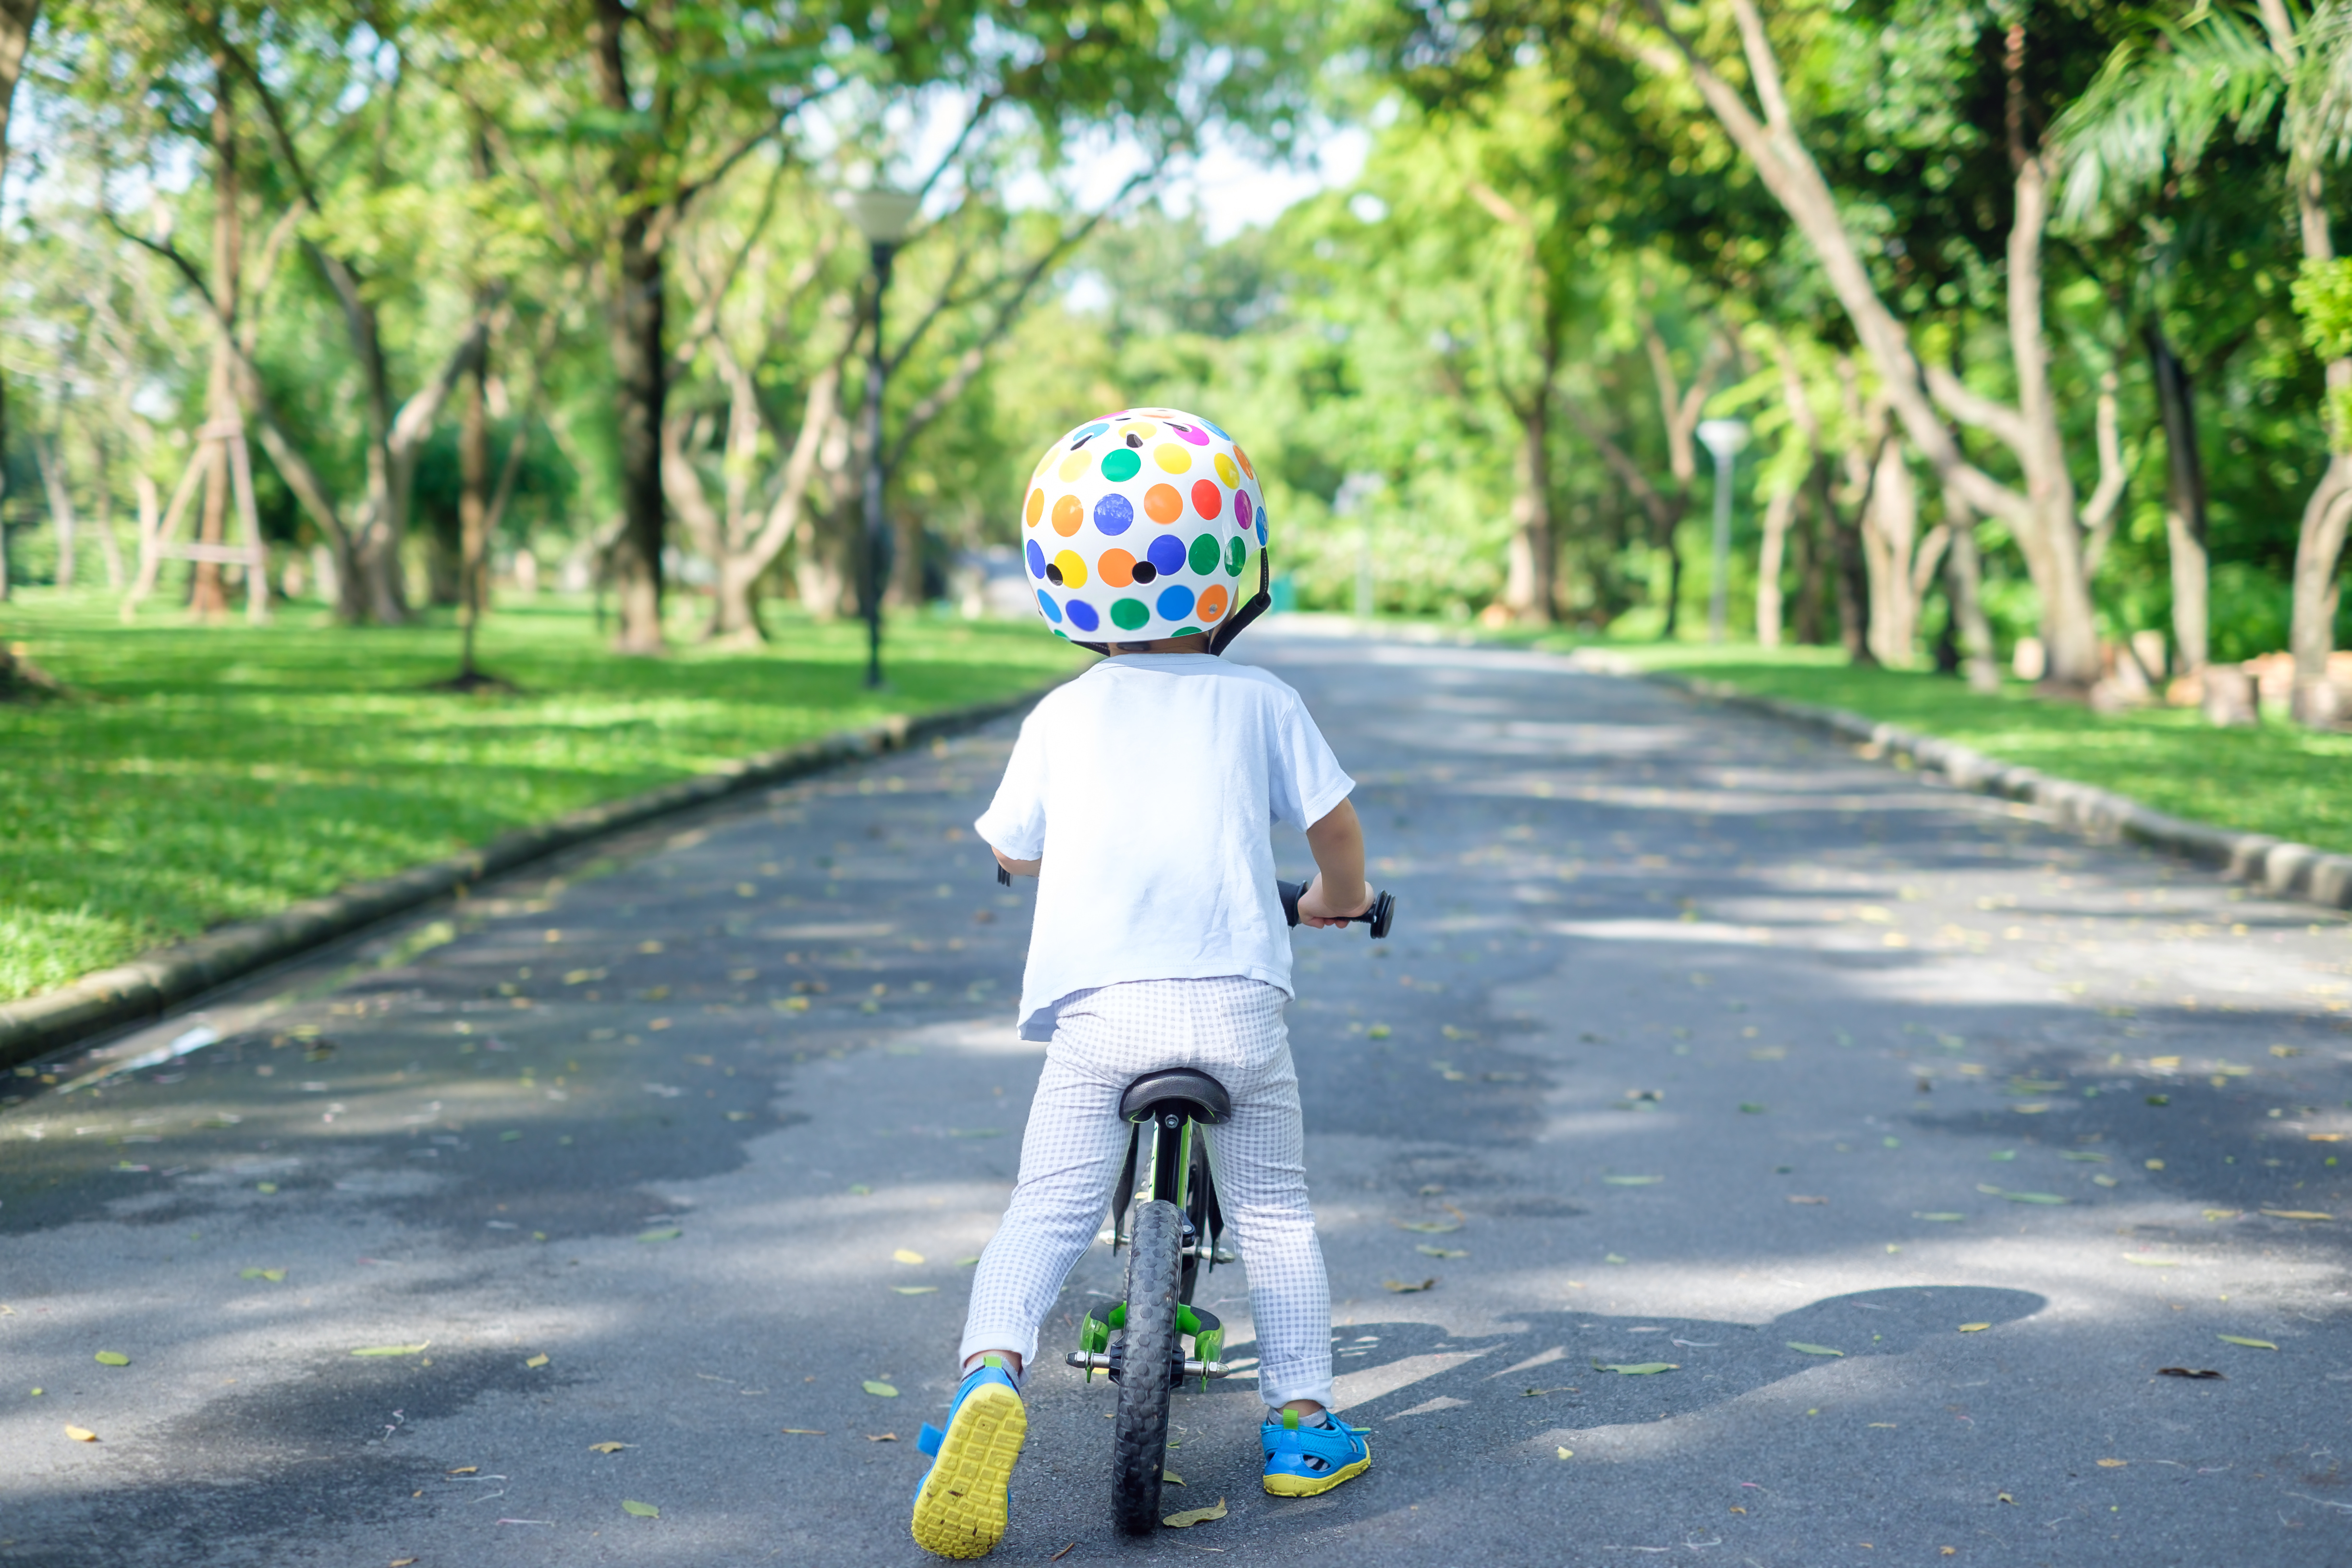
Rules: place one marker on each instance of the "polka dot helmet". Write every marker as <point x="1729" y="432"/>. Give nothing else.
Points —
<point x="1143" y="524"/>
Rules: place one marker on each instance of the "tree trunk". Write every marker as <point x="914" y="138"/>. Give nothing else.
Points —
<point x="16" y="18"/>
<point x="473" y="511"/>
<point x="2315" y="700"/>
<point x="1812" y="553"/>
<point x="2184" y="510"/>
<point x="1528" y="590"/>
<point x="1964" y="587"/>
<point x="50" y="458"/>
<point x="206" y="595"/>
<point x="1770" y="556"/>
<point x="1889" y="526"/>
<point x="1841" y="545"/>
<point x="640" y="361"/>
<point x="102" y="510"/>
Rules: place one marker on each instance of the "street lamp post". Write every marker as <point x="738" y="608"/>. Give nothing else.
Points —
<point x="883" y="216"/>
<point x="1724" y="438"/>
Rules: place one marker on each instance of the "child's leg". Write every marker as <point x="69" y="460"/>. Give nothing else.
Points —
<point x="1069" y="1157"/>
<point x="1260" y="1166"/>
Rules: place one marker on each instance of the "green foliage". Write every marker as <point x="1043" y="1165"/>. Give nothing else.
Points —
<point x="209" y="774"/>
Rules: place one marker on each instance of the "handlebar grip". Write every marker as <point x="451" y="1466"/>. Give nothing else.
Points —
<point x="1004" y="878"/>
<point x="1291" y="892"/>
<point x="1376" y="919"/>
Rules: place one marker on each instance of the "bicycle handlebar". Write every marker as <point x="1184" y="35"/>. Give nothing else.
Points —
<point x="1376" y="919"/>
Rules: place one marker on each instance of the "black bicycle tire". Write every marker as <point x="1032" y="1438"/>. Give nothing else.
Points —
<point x="1146" y="1377"/>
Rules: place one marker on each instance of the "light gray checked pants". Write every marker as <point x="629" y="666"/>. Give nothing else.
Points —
<point x="1232" y="1029"/>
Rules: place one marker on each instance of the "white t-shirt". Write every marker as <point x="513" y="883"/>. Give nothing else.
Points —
<point x="1148" y="786"/>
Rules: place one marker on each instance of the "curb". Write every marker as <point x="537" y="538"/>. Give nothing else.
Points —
<point x="2276" y="865"/>
<point x="149" y="985"/>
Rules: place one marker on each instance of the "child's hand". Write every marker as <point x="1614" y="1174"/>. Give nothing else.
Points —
<point x="1314" y="909"/>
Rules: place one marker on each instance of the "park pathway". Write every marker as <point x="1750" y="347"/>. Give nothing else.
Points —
<point x="1915" y="1138"/>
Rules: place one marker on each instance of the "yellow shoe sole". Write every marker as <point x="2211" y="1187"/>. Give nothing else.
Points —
<point x="1314" y="1486"/>
<point x="960" y="1512"/>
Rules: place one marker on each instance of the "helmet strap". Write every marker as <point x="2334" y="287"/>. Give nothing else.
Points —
<point x="1220" y="639"/>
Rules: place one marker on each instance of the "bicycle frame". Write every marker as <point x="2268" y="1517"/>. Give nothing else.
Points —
<point x="1171" y="1159"/>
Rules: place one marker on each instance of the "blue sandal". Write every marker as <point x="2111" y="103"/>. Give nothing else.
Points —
<point x="1305" y="1461"/>
<point x="962" y="1504"/>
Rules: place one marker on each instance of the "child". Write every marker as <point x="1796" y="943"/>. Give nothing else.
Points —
<point x="1140" y="795"/>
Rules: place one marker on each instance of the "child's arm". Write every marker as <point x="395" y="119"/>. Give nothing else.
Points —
<point x="1018" y="868"/>
<point x="1338" y="893"/>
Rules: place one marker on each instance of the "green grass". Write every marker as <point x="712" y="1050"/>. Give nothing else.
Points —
<point x="2276" y="778"/>
<point x="204" y="774"/>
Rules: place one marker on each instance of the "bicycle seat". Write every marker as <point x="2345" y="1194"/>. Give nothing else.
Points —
<point x="1183" y="1090"/>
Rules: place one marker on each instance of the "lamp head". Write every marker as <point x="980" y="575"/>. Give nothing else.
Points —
<point x="1724" y="438"/>
<point x="882" y="215"/>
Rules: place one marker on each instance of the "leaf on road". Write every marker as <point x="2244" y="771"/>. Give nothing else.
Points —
<point x="1613" y="1258"/>
<point x="2297" y="1214"/>
<point x="2113" y="1464"/>
<point x="804" y="1431"/>
<point x="2217" y="1215"/>
<point x="1426" y="1226"/>
<point x="391" y="1349"/>
<point x="606" y="1448"/>
<point x="2145" y="1261"/>
<point x="1940" y="1217"/>
<point x="464" y="1470"/>
<point x="539" y="1359"/>
<point x="1378" y="1032"/>
<point x="1974" y="1327"/>
<point x="916" y="1289"/>
<point x="905" y="1256"/>
<point x="1637" y="1368"/>
<point x="2021" y="1197"/>
<point x="967" y="1262"/>
<point x="1567" y="1453"/>
<point x="81" y="1434"/>
<point x="1170" y="1477"/>
<point x="1811" y="1350"/>
<point x="2087" y="1156"/>
<point x="881" y="1437"/>
<point x="672" y="1234"/>
<point x="1192" y="1516"/>
<point x="1632" y="1181"/>
<point x="2186" y="1372"/>
<point x="1802" y="1199"/>
<point x="1406" y="1287"/>
<point x="112" y="1358"/>
<point x="2250" y="1344"/>
<point x="1428" y="1251"/>
<point x="881" y="1389"/>
<point x="1749" y="1108"/>
<point x="272" y="1275"/>
<point x="641" y="1510"/>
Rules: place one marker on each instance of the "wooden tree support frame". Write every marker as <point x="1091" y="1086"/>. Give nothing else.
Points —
<point x="159" y="543"/>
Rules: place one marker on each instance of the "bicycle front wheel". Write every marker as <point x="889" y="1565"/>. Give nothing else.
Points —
<point x="1146" y="1367"/>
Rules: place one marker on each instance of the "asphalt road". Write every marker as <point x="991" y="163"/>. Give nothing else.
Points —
<point x="1915" y="1136"/>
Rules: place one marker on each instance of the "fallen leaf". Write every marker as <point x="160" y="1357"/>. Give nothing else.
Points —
<point x="1064" y="1551"/>
<point x="967" y="1262"/>
<point x="2297" y="1214"/>
<point x="1426" y="1226"/>
<point x="391" y="1350"/>
<point x="1637" y="1368"/>
<point x="1811" y="1350"/>
<point x="2217" y="1215"/>
<point x="1613" y="1258"/>
<point x="2113" y="1464"/>
<point x="81" y="1434"/>
<point x="1405" y="1288"/>
<point x="112" y="1358"/>
<point x="606" y="1448"/>
<point x="1170" y="1477"/>
<point x="916" y="1289"/>
<point x="1802" y="1199"/>
<point x="670" y="1235"/>
<point x="272" y="1275"/>
<point x="1940" y="1218"/>
<point x="265" y="1186"/>
<point x="1974" y="1327"/>
<point x="904" y="1255"/>
<point x="641" y="1510"/>
<point x="1632" y="1181"/>
<point x="2326" y="1137"/>
<point x="539" y="1359"/>
<point x="2250" y="1344"/>
<point x="881" y="1389"/>
<point x="2021" y="1197"/>
<point x="403" y="1562"/>
<point x="1428" y="1251"/>
<point x="2186" y="1372"/>
<point x="2004" y="1497"/>
<point x="1567" y="1453"/>
<point x="804" y="1431"/>
<point x="2145" y="1261"/>
<point x="1192" y="1516"/>
<point x="1749" y="1108"/>
<point x="881" y="1437"/>
<point x="464" y="1470"/>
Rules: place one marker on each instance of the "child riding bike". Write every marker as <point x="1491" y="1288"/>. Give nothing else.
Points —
<point x="1140" y="795"/>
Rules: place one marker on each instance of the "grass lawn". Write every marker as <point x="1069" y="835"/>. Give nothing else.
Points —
<point x="204" y="774"/>
<point x="2276" y="778"/>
